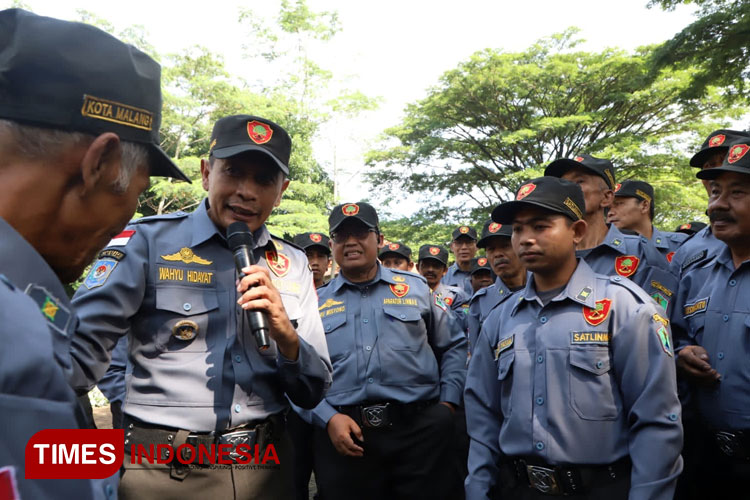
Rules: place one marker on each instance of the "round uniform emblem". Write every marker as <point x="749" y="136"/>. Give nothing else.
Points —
<point x="482" y="261"/>
<point x="393" y="246"/>
<point x="185" y="330"/>
<point x="716" y="140"/>
<point x="316" y="237"/>
<point x="737" y="152"/>
<point x="350" y="209"/>
<point x="525" y="190"/>
<point x="578" y="158"/>
<point x="434" y="250"/>
<point x="259" y="132"/>
<point x="463" y="230"/>
<point x="494" y="227"/>
<point x="100" y="271"/>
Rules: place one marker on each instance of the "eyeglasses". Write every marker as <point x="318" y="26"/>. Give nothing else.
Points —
<point x="359" y="233"/>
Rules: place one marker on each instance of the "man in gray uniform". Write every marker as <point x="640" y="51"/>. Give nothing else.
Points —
<point x="318" y="253"/>
<point x="571" y="386"/>
<point x="399" y="363"/>
<point x="199" y="376"/>
<point x="464" y="248"/>
<point x="711" y="330"/>
<point x="79" y="134"/>
<point x="633" y="209"/>
<point x="432" y="264"/>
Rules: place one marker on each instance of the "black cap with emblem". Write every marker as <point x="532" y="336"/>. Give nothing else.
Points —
<point x="237" y="134"/>
<point x="717" y="141"/>
<point x="492" y="229"/>
<point x="435" y="252"/>
<point x="690" y="227"/>
<point x="552" y="193"/>
<point x="310" y="240"/>
<point x="396" y="248"/>
<point x="75" y="77"/>
<point x="363" y="212"/>
<point x="635" y="189"/>
<point x="480" y="264"/>
<point x="737" y="160"/>
<point x="465" y="231"/>
<point x="599" y="166"/>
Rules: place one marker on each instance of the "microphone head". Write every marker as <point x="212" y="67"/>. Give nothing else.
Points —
<point x="238" y="235"/>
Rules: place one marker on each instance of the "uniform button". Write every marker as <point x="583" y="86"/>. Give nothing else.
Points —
<point x="673" y="417"/>
<point x="403" y="316"/>
<point x="540" y="401"/>
<point x="732" y="282"/>
<point x="238" y="358"/>
<point x="365" y="320"/>
<point x="543" y="319"/>
<point x="720" y="355"/>
<point x="599" y="364"/>
<point x="539" y="445"/>
<point x="725" y="317"/>
<point x="370" y="380"/>
<point x="616" y="278"/>
<point x="540" y="359"/>
<point x="187" y="306"/>
<point x="237" y="408"/>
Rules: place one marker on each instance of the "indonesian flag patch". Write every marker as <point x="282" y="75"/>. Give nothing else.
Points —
<point x="122" y="239"/>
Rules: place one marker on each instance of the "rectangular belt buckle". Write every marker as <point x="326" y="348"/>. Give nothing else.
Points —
<point x="237" y="438"/>
<point x="376" y="416"/>
<point x="543" y="479"/>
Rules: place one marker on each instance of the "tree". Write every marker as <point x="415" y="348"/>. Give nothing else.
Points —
<point x="500" y="118"/>
<point x="716" y="43"/>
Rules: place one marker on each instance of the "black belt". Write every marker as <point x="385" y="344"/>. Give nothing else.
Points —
<point x="733" y="444"/>
<point x="564" y="480"/>
<point x="260" y="432"/>
<point x="376" y="415"/>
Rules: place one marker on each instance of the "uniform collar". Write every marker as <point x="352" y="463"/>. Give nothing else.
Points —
<point x="614" y="239"/>
<point x="204" y="228"/>
<point x="580" y="288"/>
<point x="23" y="265"/>
<point x="660" y="239"/>
<point x="382" y="273"/>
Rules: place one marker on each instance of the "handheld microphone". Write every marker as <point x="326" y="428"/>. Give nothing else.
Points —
<point x="240" y="241"/>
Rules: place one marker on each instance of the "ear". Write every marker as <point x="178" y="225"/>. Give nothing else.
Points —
<point x="101" y="162"/>
<point x="284" y="185"/>
<point x="579" y="230"/>
<point x="381" y="240"/>
<point x="645" y="207"/>
<point x="608" y="198"/>
<point x="205" y="171"/>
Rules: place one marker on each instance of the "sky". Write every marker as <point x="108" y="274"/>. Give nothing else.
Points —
<point x="391" y="49"/>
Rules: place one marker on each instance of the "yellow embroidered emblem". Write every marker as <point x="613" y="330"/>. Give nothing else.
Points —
<point x="187" y="256"/>
<point x="49" y="309"/>
<point x="400" y="279"/>
<point x="329" y="303"/>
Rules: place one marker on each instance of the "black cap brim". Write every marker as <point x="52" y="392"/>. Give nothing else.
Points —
<point x="713" y="173"/>
<point x="162" y="165"/>
<point x="436" y="259"/>
<point x="505" y="212"/>
<point x="333" y="228"/>
<point x="318" y="245"/>
<point x="230" y="151"/>
<point x="483" y="241"/>
<point x="701" y="156"/>
<point x="558" y="168"/>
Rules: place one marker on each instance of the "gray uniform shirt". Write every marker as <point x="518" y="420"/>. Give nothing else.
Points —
<point x="169" y="284"/>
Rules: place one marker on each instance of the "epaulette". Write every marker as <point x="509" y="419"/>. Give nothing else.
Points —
<point x="639" y="292"/>
<point x="152" y="218"/>
<point x="287" y="242"/>
<point x="695" y="258"/>
<point x="7" y="282"/>
<point x="409" y="273"/>
<point x="480" y="293"/>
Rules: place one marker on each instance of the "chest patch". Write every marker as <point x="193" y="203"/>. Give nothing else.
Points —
<point x="699" y="305"/>
<point x="504" y="345"/>
<point x="596" y="315"/>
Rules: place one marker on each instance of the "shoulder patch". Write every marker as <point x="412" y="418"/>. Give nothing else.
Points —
<point x="111" y="253"/>
<point x="695" y="307"/>
<point x="626" y="265"/>
<point x="100" y="271"/>
<point x="121" y="239"/>
<point x="694" y="258"/>
<point x="56" y="314"/>
<point x="665" y="340"/>
<point x="439" y="301"/>
<point x="284" y="243"/>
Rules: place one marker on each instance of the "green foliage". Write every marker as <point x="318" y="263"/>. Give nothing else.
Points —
<point x="500" y="118"/>
<point x="420" y="229"/>
<point x="716" y="44"/>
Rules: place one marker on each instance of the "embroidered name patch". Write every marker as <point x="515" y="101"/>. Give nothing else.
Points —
<point x="590" y="337"/>
<point x="694" y="308"/>
<point x="116" y="112"/>
<point x="503" y="345"/>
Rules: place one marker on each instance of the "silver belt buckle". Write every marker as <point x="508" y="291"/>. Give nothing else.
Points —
<point x="375" y="416"/>
<point x="237" y="438"/>
<point x="543" y="479"/>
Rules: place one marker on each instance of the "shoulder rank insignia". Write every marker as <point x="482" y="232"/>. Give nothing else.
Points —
<point x="439" y="302"/>
<point x="278" y="263"/>
<point x="100" y="271"/>
<point x="617" y="242"/>
<point x="596" y="316"/>
<point x="666" y="342"/>
<point x="669" y="256"/>
<point x="400" y="279"/>
<point x="185" y="330"/>
<point x="400" y="289"/>
<point x="56" y="314"/>
<point x="187" y="256"/>
<point x="503" y="345"/>
<point x="329" y="303"/>
<point x="626" y="265"/>
<point x="584" y="294"/>
<point x="693" y="259"/>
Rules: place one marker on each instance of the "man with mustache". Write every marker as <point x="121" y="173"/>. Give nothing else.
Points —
<point x="510" y="272"/>
<point x="633" y="209"/>
<point x="199" y="376"/>
<point x="432" y="265"/>
<point x="571" y="386"/>
<point x="703" y="245"/>
<point x="318" y="253"/>
<point x="399" y="362"/>
<point x="464" y="248"/>
<point x="607" y="249"/>
<point x="711" y="330"/>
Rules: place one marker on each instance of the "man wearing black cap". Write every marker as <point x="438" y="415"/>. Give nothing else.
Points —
<point x="690" y="228"/>
<point x="510" y="272"/>
<point x="571" y="386"/>
<point x="432" y="265"/>
<point x="318" y="253"/>
<point x="481" y="274"/>
<point x="79" y="135"/>
<point x="464" y="248"/>
<point x="711" y="329"/>
<point x="703" y="245"/>
<point x="396" y="255"/>
<point x="199" y="374"/>
<point x="399" y="362"/>
<point x="606" y="249"/>
<point x="633" y="209"/>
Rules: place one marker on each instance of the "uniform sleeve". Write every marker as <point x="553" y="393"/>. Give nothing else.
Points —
<point x="307" y="379"/>
<point x="112" y="384"/>
<point x="449" y="343"/>
<point x="645" y="370"/>
<point x="483" y="419"/>
<point x="104" y="313"/>
<point x="473" y="322"/>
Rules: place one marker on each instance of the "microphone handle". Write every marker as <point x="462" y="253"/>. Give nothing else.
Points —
<point x="256" y="319"/>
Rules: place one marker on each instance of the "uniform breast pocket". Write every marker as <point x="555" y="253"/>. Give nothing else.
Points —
<point x="183" y="318"/>
<point x="340" y="343"/>
<point x="406" y="358"/>
<point x="695" y="323"/>
<point x="593" y="392"/>
<point x="505" y="377"/>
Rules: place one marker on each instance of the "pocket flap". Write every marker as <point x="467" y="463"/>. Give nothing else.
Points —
<point x="186" y="301"/>
<point x="334" y="321"/>
<point x="504" y="364"/>
<point x="594" y="361"/>
<point x="403" y="313"/>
